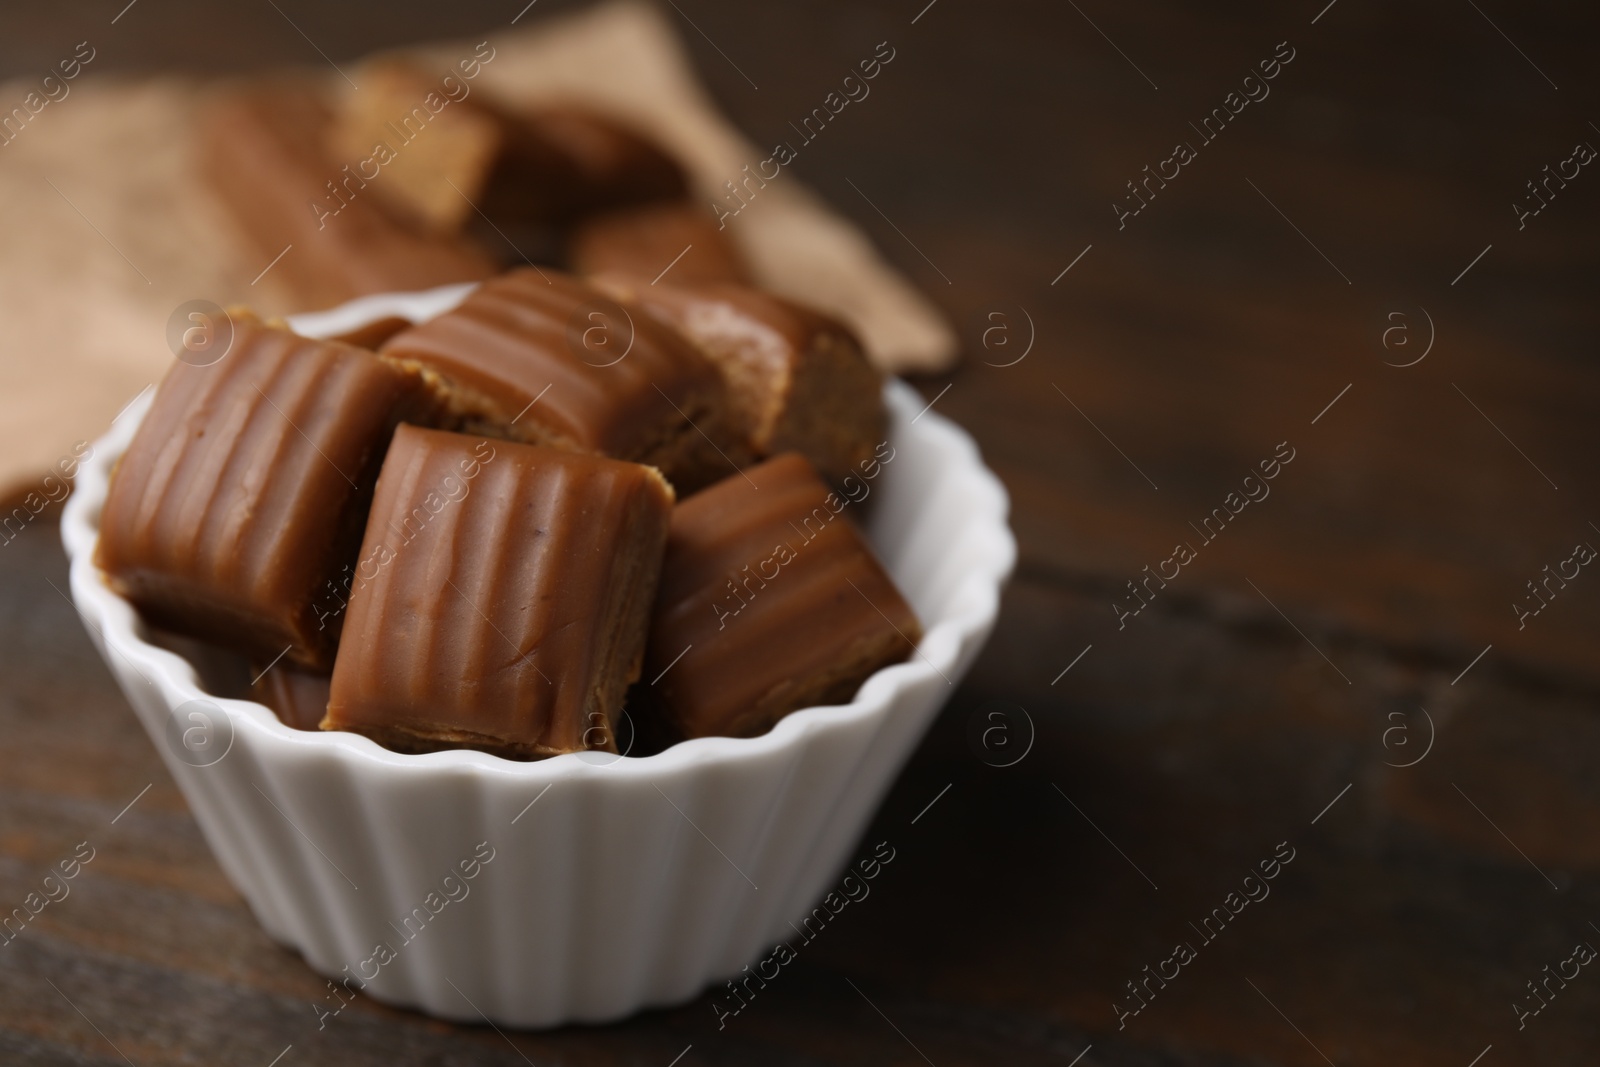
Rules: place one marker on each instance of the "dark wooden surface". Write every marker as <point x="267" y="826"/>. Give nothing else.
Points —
<point x="1265" y="683"/>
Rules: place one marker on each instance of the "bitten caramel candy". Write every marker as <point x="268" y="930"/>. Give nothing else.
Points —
<point x="501" y="597"/>
<point x="541" y="357"/>
<point x="299" y="698"/>
<point x="771" y="600"/>
<point x="263" y="151"/>
<point x="243" y="492"/>
<point x="676" y="239"/>
<point x="797" y="379"/>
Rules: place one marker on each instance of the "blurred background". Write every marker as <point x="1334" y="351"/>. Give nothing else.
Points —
<point x="1367" y="269"/>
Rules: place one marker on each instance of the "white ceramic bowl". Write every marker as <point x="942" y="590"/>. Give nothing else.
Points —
<point x="628" y="883"/>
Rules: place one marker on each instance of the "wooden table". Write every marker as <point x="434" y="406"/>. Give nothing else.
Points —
<point x="1339" y="675"/>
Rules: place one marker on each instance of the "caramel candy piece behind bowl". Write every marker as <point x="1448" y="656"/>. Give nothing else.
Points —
<point x="501" y="597"/>
<point x="564" y="161"/>
<point x="445" y="150"/>
<point x="263" y="150"/>
<point x="540" y="357"/>
<point x="431" y="165"/>
<point x="677" y="240"/>
<point x="797" y="379"/>
<point x="244" y="490"/>
<point x="773" y="600"/>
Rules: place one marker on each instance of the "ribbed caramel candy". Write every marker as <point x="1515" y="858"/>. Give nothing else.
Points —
<point x="771" y="600"/>
<point x="501" y="597"/>
<point x="541" y="357"/>
<point x="243" y="492"/>
<point x="797" y="379"/>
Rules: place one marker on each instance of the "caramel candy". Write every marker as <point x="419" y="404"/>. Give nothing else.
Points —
<point x="432" y="161"/>
<point x="577" y="161"/>
<point x="797" y="379"/>
<point x="538" y="356"/>
<point x="771" y="600"/>
<point x="677" y="239"/>
<point x="445" y="152"/>
<point x="299" y="698"/>
<point x="501" y="597"/>
<point x="263" y="152"/>
<point x="243" y="491"/>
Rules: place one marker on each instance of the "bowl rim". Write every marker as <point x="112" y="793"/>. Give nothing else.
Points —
<point x="974" y="601"/>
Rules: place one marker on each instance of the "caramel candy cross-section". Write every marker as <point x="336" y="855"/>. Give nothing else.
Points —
<point x="771" y="600"/>
<point x="501" y="597"/>
<point x="540" y="357"/>
<point x="243" y="493"/>
<point x="797" y="379"/>
<point x="427" y="144"/>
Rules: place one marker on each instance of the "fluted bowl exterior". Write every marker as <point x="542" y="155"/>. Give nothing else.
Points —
<point x="585" y="887"/>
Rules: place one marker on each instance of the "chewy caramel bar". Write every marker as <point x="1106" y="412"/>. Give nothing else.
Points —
<point x="771" y="600"/>
<point x="242" y="494"/>
<point x="439" y="151"/>
<point x="501" y="597"/>
<point x="541" y="357"/>
<point x="797" y="379"/>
